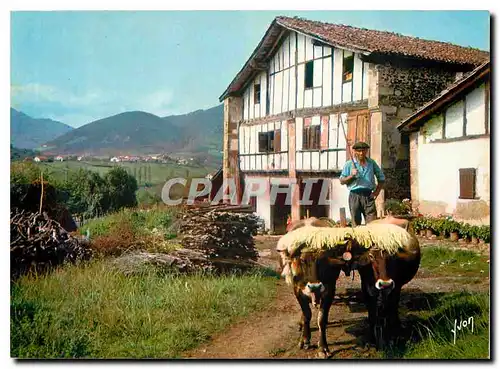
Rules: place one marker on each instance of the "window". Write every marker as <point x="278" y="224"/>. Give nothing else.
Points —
<point x="266" y="141"/>
<point x="256" y="93"/>
<point x="348" y="68"/>
<point x="309" y="75"/>
<point x="253" y="203"/>
<point x="467" y="183"/>
<point x="311" y="137"/>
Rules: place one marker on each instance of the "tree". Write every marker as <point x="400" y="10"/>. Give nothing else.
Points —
<point x="87" y="193"/>
<point x="121" y="187"/>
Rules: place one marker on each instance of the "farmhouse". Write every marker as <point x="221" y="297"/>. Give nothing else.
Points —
<point x="310" y="90"/>
<point x="450" y="149"/>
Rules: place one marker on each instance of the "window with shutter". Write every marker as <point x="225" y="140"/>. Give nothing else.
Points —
<point x="311" y="138"/>
<point x="467" y="183"/>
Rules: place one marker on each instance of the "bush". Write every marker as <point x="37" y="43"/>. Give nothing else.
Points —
<point x="131" y="230"/>
<point x="396" y="207"/>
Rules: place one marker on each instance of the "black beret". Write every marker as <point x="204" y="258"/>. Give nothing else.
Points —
<point x="360" y="146"/>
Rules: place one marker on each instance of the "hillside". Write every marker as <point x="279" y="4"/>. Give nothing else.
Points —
<point x="141" y="132"/>
<point x="202" y="129"/>
<point x="29" y="133"/>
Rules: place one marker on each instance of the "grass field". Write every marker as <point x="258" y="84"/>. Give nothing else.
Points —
<point x="95" y="312"/>
<point x="159" y="172"/>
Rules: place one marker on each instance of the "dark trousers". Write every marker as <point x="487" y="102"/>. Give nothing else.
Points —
<point x="362" y="203"/>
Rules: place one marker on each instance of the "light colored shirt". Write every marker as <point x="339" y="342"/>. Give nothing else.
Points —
<point x="366" y="175"/>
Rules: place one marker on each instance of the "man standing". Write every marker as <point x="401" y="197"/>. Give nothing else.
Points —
<point x="359" y="176"/>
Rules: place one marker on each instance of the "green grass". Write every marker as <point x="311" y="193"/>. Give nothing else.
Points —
<point x="159" y="172"/>
<point x="447" y="262"/>
<point x="159" y="217"/>
<point x="95" y="312"/>
<point x="433" y="328"/>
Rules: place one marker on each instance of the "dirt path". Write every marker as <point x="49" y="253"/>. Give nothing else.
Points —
<point x="274" y="333"/>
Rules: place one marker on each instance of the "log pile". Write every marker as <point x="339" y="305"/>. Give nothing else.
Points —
<point x="38" y="243"/>
<point x="222" y="234"/>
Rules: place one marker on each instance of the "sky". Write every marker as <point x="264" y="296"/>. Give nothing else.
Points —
<point x="77" y="67"/>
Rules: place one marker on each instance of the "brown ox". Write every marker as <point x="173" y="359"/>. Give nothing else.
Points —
<point x="382" y="277"/>
<point x="314" y="277"/>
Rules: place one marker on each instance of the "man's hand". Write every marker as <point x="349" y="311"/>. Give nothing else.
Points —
<point x="354" y="172"/>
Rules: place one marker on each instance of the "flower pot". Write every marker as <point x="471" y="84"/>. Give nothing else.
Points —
<point x="454" y="236"/>
<point x="428" y="233"/>
<point x="474" y="240"/>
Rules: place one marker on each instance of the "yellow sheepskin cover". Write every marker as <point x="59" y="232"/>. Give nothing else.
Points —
<point x="388" y="237"/>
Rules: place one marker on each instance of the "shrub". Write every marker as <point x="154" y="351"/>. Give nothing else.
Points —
<point x="396" y="207"/>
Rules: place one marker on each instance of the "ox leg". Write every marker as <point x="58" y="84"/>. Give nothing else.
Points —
<point x="305" y="339"/>
<point x="324" y="352"/>
<point x="393" y="313"/>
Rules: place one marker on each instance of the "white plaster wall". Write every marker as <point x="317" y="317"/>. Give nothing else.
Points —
<point x="438" y="169"/>
<point x="339" y="198"/>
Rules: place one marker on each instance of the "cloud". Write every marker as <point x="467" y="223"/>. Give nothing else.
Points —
<point x="41" y="93"/>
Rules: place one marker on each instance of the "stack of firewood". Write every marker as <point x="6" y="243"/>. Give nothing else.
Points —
<point x="221" y="235"/>
<point x="38" y="243"/>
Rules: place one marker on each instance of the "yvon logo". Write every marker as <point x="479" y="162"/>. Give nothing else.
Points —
<point x="462" y="324"/>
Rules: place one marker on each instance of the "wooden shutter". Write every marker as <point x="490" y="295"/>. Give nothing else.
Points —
<point x="324" y="132"/>
<point x="351" y="132"/>
<point x="277" y="140"/>
<point x="306" y="135"/>
<point x="262" y="142"/>
<point x="467" y="183"/>
<point x="316" y="132"/>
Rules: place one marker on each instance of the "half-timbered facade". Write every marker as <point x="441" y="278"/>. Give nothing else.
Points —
<point x="310" y="90"/>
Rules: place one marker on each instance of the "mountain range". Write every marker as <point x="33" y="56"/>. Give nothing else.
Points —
<point x="29" y="133"/>
<point x="134" y="132"/>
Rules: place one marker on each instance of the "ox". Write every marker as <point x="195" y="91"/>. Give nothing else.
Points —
<point x="382" y="277"/>
<point x="314" y="272"/>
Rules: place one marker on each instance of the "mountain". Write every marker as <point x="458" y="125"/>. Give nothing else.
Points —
<point x="139" y="132"/>
<point x="202" y="129"/>
<point x="29" y="133"/>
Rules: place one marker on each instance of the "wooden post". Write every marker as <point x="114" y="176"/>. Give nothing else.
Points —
<point x="343" y="220"/>
<point x="41" y="192"/>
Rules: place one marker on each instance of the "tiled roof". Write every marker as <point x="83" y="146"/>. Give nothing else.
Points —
<point x="384" y="42"/>
<point x="416" y="119"/>
<point x="359" y="40"/>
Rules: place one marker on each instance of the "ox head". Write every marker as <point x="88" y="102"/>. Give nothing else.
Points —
<point x="378" y="260"/>
<point x="309" y="270"/>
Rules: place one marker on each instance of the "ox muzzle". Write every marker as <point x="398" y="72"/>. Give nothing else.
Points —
<point x="314" y="291"/>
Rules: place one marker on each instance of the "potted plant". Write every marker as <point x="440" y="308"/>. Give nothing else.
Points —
<point x="474" y="234"/>
<point x="428" y="226"/>
<point x="453" y="229"/>
<point x="465" y="231"/>
<point x="484" y="234"/>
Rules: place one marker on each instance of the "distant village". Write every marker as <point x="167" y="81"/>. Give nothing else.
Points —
<point x="162" y="158"/>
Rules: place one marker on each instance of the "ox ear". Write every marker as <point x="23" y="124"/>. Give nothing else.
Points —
<point x="364" y="259"/>
<point x="406" y="255"/>
<point x="297" y="250"/>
